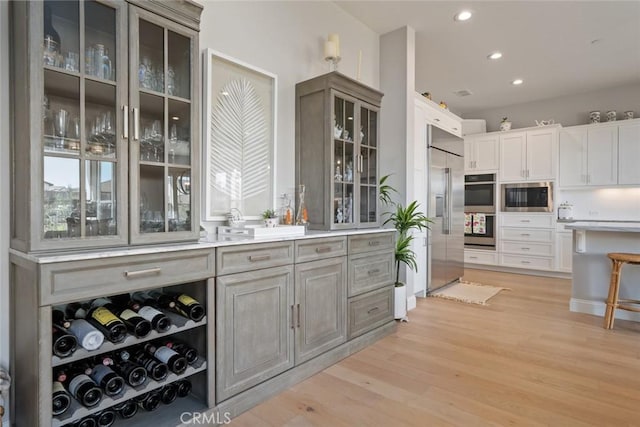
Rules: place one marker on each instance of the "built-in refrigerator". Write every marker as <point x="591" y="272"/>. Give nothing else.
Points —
<point x="445" y="239"/>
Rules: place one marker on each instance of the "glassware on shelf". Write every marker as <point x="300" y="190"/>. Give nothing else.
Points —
<point x="287" y="211"/>
<point x="71" y="61"/>
<point x="348" y="172"/>
<point x="171" y="81"/>
<point x="51" y="41"/>
<point x="98" y="62"/>
<point x="302" y="217"/>
<point x="338" y="176"/>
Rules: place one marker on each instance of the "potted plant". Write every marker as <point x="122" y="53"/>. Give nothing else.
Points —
<point x="404" y="219"/>
<point x="505" y="124"/>
<point x="270" y="218"/>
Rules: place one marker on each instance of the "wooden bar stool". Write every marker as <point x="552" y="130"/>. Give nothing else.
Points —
<point x="618" y="260"/>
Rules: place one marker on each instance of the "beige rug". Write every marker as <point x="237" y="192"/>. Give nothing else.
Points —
<point x="469" y="292"/>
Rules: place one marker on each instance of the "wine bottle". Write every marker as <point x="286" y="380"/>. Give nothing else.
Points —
<point x="64" y="343"/>
<point x="168" y="393"/>
<point x="134" y="374"/>
<point x="107" y="378"/>
<point x="149" y="401"/>
<point x="182" y="348"/>
<point x="61" y="399"/>
<point x="155" y="368"/>
<point x="175" y="362"/>
<point x="126" y="409"/>
<point x="185" y="305"/>
<point x="76" y="310"/>
<point x="148" y="308"/>
<point x="81" y="386"/>
<point x="108" y="323"/>
<point x="136" y="324"/>
<point x="58" y="318"/>
<point x="88" y="336"/>
<point x="184" y="388"/>
<point x="105" y="418"/>
<point x="86" y="422"/>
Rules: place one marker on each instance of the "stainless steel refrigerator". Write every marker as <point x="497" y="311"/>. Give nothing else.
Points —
<point x="445" y="247"/>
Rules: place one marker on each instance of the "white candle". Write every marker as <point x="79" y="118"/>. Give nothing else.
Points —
<point x="335" y="38"/>
<point x="359" y="63"/>
<point x="329" y="49"/>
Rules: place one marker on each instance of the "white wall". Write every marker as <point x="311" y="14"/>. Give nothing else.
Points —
<point x="568" y="110"/>
<point x="287" y="38"/>
<point x="603" y="203"/>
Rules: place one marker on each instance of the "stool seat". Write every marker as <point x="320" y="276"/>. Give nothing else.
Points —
<point x="618" y="259"/>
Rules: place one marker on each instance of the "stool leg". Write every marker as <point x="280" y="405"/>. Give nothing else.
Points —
<point x="612" y="298"/>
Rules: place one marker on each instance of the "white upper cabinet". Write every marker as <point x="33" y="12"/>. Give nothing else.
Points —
<point x="629" y="154"/>
<point x="602" y="156"/>
<point x="481" y="153"/>
<point x="528" y="155"/>
<point x="573" y="157"/>
<point x="513" y="159"/>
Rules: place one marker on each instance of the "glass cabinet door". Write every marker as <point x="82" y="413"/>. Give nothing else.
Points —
<point x="84" y="90"/>
<point x="343" y="172"/>
<point x="368" y="164"/>
<point x="162" y="70"/>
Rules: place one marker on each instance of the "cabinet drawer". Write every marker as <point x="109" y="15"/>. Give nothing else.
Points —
<point x="526" y="235"/>
<point x="481" y="257"/>
<point x="370" y="242"/>
<point x="537" y="263"/>
<point x="77" y="280"/>
<point x="240" y="258"/>
<point x="368" y="311"/>
<point x="528" y="248"/>
<point x="527" y="220"/>
<point x="369" y="271"/>
<point x="313" y="249"/>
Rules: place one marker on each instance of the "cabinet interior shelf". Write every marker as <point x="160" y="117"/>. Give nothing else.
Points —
<point x="179" y="324"/>
<point x="76" y="411"/>
<point x="162" y="94"/>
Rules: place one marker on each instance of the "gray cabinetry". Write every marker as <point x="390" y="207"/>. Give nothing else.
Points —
<point x="368" y="311"/>
<point x="337" y="144"/>
<point x="108" y="106"/>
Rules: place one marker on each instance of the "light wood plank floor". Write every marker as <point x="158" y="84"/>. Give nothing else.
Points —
<point x="522" y="360"/>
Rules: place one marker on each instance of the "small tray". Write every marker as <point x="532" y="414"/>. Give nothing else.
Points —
<point x="260" y="231"/>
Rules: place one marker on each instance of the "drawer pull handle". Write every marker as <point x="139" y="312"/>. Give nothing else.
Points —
<point x="254" y="258"/>
<point x="525" y="249"/>
<point x="376" y="308"/>
<point x="525" y="220"/>
<point x="138" y="273"/>
<point x="525" y="234"/>
<point x="374" y="243"/>
<point x="525" y="262"/>
<point x="298" y="315"/>
<point x="293" y="325"/>
<point x="374" y="271"/>
<point x="323" y="249"/>
<point x="473" y="257"/>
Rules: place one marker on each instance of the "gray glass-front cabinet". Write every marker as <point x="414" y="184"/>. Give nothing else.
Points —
<point x="337" y="151"/>
<point x="105" y="129"/>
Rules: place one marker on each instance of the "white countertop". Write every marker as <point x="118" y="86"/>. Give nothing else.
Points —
<point x="209" y="242"/>
<point x="617" y="226"/>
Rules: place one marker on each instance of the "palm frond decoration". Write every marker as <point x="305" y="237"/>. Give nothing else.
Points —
<point x="240" y="149"/>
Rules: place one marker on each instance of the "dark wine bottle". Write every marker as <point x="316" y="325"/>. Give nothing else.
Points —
<point x="64" y="343"/>
<point x="108" y="323"/>
<point x="61" y="399"/>
<point x="148" y="308"/>
<point x="59" y="318"/>
<point x="136" y="324"/>
<point x="134" y="374"/>
<point x="79" y="385"/>
<point x="169" y="393"/>
<point x="106" y="377"/>
<point x="88" y="336"/>
<point x="155" y="368"/>
<point x="76" y="310"/>
<point x="175" y="362"/>
<point x="185" y="305"/>
<point x="105" y="418"/>
<point x="126" y="409"/>
<point x="86" y="422"/>
<point x="149" y="401"/>
<point x="184" y="388"/>
<point x="182" y="348"/>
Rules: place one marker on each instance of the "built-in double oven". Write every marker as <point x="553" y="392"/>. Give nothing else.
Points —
<point x="480" y="211"/>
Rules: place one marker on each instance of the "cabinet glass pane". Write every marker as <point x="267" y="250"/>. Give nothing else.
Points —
<point x="100" y="197"/>
<point x="179" y="71"/>
<point x="151" y="128"/>
<point x="151" y="66"/>
<point x="152" y="202"/>
<point x="61" y="204"/>
<point x="179" y="141"/>
<point x="100" y="116"/>
<point x="100" y="41"/>
<point x="338" y="118"/>
<point x="373" y="129"/>
<point x="61" y="113"/>
<point x="179" y="196"/>
<point x="61" y="44"/>
<point x="364" y="126"/>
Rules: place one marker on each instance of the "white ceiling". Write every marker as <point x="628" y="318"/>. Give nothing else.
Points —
<point x="546" y="43"/>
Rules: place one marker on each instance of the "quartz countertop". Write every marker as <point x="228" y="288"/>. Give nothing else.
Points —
<point x="617" y="226"/>
<point x="209" y="242"/>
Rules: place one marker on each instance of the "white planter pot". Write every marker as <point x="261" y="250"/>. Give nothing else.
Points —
<point x="271" y="222"/>
<point x="400" y="302"/>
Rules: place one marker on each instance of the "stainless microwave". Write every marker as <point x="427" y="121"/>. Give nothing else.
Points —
<point x="527" y="197"/>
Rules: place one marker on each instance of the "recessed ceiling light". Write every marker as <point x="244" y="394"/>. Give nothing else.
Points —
<point x="462" y="16"/>
<point x="175" y="118"/>
<point x="495" y="55"/>
<point x="517" y="82"/>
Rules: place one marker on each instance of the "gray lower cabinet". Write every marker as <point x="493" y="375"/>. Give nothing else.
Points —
<point x="254" y="329"/>
<point x="368" y="311"/>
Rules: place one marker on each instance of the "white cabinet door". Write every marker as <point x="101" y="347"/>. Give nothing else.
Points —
<point x="565" y="252"/>
<point x="602" y="156"/>
<point x="513" y="156"/>
<point x="541" y="146"/>
<point x="629" y="154"/>
<point x="487" y="153"/>
<point x="469" y="153"/>
<point x="573" y="157"/>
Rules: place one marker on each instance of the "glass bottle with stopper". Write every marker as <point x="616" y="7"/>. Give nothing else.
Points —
<point x="302" y="217"/>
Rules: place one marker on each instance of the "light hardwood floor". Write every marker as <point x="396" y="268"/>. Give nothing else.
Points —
<point x="524" y="359"/>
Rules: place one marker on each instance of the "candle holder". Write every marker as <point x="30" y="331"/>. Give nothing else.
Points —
<point x="333" y="61"/>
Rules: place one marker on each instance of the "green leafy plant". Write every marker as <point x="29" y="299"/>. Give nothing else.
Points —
<point x="269" y="213"/>
<point x="505" y="119"/>
<point x="404" y="219"/>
